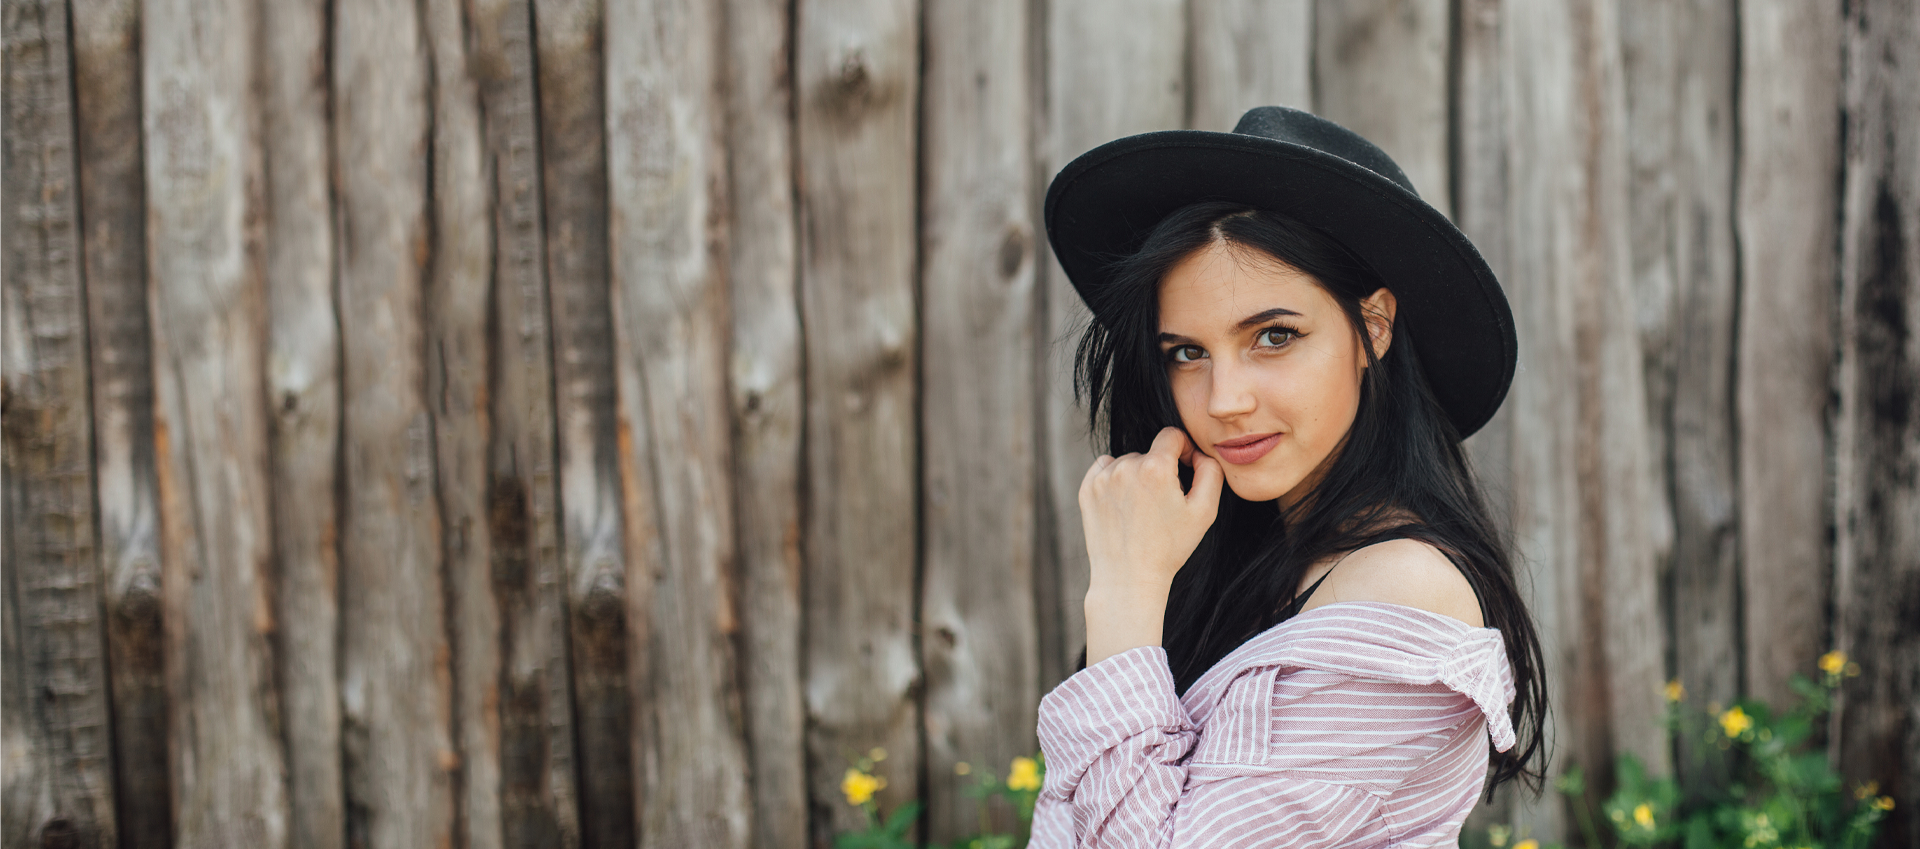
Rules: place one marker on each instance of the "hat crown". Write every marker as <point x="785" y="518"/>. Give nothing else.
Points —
<point x="1293" y="126"/>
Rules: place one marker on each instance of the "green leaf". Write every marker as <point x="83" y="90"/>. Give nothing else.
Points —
<point x="902" y="819"/>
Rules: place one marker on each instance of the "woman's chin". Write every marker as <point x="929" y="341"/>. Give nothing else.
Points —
<point x="1257" y="488"/>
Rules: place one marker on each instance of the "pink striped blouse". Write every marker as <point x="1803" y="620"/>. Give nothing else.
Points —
<point x="1354" y="724"/>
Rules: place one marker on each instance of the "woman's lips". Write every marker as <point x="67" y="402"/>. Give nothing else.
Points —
<point x="1246" y="449"/>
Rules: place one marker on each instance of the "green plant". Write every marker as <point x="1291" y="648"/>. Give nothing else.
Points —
<point x="1020" y="790"/>
<point x="1782" y="792"/>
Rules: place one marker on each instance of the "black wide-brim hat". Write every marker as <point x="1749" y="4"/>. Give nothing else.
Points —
<point x="1102" y="205"/>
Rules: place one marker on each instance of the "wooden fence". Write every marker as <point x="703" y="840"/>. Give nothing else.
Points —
<point x="498" y="423"/>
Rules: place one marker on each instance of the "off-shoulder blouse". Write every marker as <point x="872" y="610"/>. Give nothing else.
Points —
<point x="1354" y="724"/>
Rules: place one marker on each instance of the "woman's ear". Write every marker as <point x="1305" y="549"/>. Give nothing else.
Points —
<point x="1378" y="309"/>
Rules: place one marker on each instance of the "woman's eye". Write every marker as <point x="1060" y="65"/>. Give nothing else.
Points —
<point x="1184" y="354"/>
<point x="1274" y="337"/>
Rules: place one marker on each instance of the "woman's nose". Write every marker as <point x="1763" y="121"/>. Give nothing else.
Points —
<point x="1231" y="393"/>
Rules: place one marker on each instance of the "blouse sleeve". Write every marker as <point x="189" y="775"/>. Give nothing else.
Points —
<point x="1116" y="739"/>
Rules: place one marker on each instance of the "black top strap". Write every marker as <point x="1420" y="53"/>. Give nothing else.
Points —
<point x="1293" y="607"/>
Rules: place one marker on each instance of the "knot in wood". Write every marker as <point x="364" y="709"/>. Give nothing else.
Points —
<point x="59" y="833"/>
<point x="140" y="602"/>
<point x="1013" y="251"/>
<point x="603" y="605"/>
<point x="853" y="77"/>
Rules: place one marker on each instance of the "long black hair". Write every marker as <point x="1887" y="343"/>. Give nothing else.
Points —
<point x="1401" y="471"/>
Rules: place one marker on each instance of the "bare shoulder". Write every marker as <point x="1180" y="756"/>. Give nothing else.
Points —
<point x="1405" y="572"/>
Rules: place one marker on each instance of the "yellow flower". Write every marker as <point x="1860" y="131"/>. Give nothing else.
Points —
<point x="1675" y="692"/>
<point x="1833" y="662"/>
<point x="860" y="786"/>
<point x="962" y="768"/>
<point x="1025" y="775"/>
<point x="1883" y="803"/>
<point x="1735" y="721"/>
<point x="1867" y="789"/>
<point x="1527" y="844"/>
<point x="1643" y="815"/>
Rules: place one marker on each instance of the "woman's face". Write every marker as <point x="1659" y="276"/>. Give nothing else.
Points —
<point x="1265" y="366"/>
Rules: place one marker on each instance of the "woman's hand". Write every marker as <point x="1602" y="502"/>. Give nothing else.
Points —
<point x="1140" y="530"/>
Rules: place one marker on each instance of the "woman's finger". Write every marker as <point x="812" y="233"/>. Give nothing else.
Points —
<point x="1208" y="478"/>
<point x="1099" y="463"/>
<point x="1168" y="445"/>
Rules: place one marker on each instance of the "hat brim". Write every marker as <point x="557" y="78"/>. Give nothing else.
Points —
<point x="1101" y="206"/>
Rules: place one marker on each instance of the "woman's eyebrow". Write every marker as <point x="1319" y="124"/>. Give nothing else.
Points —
<point x="1263" y="317"/>
<point x="1258" y="318"/>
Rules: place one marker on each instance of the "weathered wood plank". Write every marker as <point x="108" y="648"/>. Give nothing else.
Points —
<point x="1380" y="69"/>
<point x="767" y="398"/>
<point x="457" y="306"/>
<point x="537" y="792"/>
<point x="855" y="70"/>
<point x="303" y="391"/>
<point x="1580" y="473"/>
<point x="1544" y="489"/>
<point x="667" y="184"/>
<point x="395" y="663"/>
<point x="211" y="422"/>
<point x="57" y="785"/>
<point x="1680" y="66"/>
<point x="106" y="69"/>
<point x="1876" y="731"/>
<point x="1114" y="68"/>
<point x="977" y="616"/>
<point x="1786" y="211"/>
<point x="593" y="526"/>
<point x="1617" y="479"/>
<point x="1248" y="53"/>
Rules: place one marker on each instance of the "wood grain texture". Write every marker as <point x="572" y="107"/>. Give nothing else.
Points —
<point x="532" y="687"/>
<point x="977" y="616"/>
<point x="1618" y="484"/>
<point x="1680" y="67"/>
<point x="1544" y="485"/>
<point x="765" y="379"/>
<point x="303" y="393"/>
<point x="106" y="73"/>
<point x="667" y="184"/>
<point x="1785" y="214"/>
<point x="457" y="301"/>
<point x="1580" y="475"/>
<point x="593" y="506"/>
<point x="203" y="169"/>
<point x="1875" y="733"/>
<point x="1113" y="69"/>
<point x="1380" y="69"/>
<point x="395" y="659"/>
<point x="857" y="85"/>
<point x="1248" y="53"/>
<point x="57" y="783"/>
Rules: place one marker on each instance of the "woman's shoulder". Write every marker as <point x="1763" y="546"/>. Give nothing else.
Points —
<point x="1403" y="572"/>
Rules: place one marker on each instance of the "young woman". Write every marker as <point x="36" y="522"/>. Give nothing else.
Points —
<point x="1303" y="629"/>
